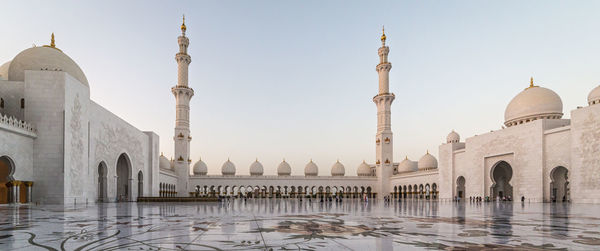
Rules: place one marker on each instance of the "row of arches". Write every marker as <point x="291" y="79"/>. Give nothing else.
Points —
<point x="124" y="181"/>
<point x="284" y="191"/>
<point x="167" y="190"/>
<point x="501" y="188"/>
<point x="422" y="191"/>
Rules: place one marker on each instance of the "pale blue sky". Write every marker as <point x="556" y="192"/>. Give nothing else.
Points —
<point x="295" y="79"/>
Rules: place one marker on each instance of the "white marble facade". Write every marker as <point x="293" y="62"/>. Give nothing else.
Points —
<point x="74" y="150"/>
<point x="71" y="145"/>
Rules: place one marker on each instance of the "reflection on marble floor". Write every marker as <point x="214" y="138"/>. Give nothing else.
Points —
<point x="284" y="224"/>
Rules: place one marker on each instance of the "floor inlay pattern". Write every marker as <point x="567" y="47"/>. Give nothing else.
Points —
<point x="288" y="224"/>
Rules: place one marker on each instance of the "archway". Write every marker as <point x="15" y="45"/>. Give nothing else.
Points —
<point x="140" y="184"/>
<point x="460" y="187"/>
<point x="123" y="178"/>
<point x="102" y="189"/>
<point x="6" y="171"/>
<point x="559" y="186"/>
<point x="501" y="175"/>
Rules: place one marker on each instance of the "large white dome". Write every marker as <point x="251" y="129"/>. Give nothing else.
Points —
<point x="284" y="169"/>
<point x="427" y="162"/>
<point x="45" y="59"/>
<point x="228" y="168"/>
<point x="338" y="169"/>
<point x="311" y="169"/>
<point x="163" y="162"/>
<point x="256" y="168"/>
<point x="593" y="97"/>
<point x="533" y="103"/>
<point x="200" y="168"/>
<point x="363" y="169"/>
<point x="407" y="166"/>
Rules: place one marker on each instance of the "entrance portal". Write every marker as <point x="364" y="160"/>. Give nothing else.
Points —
<point x="460" y="187"/>
<point x="501" y="175"/>
<point x="559" y="186"/>
<point x="123" y="178"/>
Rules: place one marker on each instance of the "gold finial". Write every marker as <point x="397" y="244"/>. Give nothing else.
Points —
<point x="383" y="37"/>
<point x="531" y="83"/>
<point x="52" y="44"/>
<point x="427" y="151"/>
<point x="406" y="157"/>
<point x="183" y="28"/>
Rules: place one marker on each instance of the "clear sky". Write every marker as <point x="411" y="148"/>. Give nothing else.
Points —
<point x="295" y="79"/>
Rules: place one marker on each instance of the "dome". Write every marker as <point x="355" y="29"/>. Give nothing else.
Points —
<point x="284" y="169"/>
<point x="163" y="162"/>
<point x="4" y="71"/>
<point x="311" y="169"/>
<point x="407" y="166"/>
<point x="533" y="103"/>
<point x="44" y="58"/>
<point x="453" y="137"/>
<point x="200" y="168"/>
<point x="363" y="169"/>
<point x="593" y="97"/>
<point x="256" y="168"/>
<point x="427" y="162"/>
<point x="338" y="169"/>
<point x="228" y="168"/>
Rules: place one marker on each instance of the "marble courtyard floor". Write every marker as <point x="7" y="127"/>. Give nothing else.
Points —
<point x="287" y="224"/>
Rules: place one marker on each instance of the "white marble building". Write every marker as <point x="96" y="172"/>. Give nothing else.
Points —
<point x="58" y="146"/>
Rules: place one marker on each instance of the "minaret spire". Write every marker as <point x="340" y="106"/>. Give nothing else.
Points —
<point x="384" y="140"/>
<point x="183" y="94"/>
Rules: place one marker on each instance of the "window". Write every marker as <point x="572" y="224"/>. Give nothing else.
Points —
<point x="1" y="103"/>
<point x="22" y="103"/>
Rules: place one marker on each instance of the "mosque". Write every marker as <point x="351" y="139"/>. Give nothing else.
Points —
<point x="57" y="146"/>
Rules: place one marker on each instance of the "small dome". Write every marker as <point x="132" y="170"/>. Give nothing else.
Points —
<point x="533" y="103"/>
<point x="44" y="58"/>
<point x="256" y="168"/>
<point x="363" y="169"/>
<point x="200" y="168"/>
<point x="228" y="168"/>
<point x="4" y="71"/>
<point x="593" y="97"/>
<point x="338" y="169"/>
<point x="284" y="169"/>
<point x="427" y="162"/>
<point x="311" y="169"/>
<point x="407" y="166"/>
<point x="163" y="162"/>
<point x="453" y="137"/>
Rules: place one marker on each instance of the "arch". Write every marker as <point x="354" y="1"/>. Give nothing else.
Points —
<point x="427" y="191"/>
<point x="559" y="185"/>
<point x="7" y="169"/>
<point x="501" y="175"/>
<point x="421" y="192"/>
<point x="140" y="184"/>
<point x="102" y="182"/>
<point x="123" y="178"/>
<point x="460" y="187"/>
<point x="434" y="190"/>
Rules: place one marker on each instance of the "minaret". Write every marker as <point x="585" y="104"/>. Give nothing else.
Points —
<point x="384" y="141"/>
<point x="183" y="94"/>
